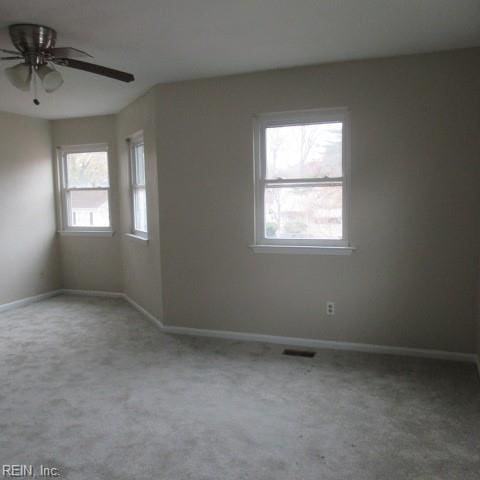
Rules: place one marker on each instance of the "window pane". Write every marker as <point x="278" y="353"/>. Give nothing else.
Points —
<point x="304" y="212"/>
<point x="87" y="169"/>
<point x="140" y="209"/>
<point x="304" y="151"/>
<point x="139" y="159"/>
<point x="89" y="208"/>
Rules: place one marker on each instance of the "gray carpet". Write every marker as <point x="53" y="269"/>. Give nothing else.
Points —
<point x="91" y="387"/>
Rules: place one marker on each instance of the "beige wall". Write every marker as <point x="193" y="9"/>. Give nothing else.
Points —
<point x="92" y="263"/>
<point x="414" y="205"/>
<point x="117" y="263"/>
<point x="29" y="257"/>
<point x="142" y="266"/>
<point x="478" y="320"/>
<point x="415" y="199"/>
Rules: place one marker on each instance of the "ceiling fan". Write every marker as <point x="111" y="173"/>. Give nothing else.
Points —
<point x="35" y="45"/>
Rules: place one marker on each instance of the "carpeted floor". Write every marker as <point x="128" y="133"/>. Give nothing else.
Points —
<point x="87" y="385"/>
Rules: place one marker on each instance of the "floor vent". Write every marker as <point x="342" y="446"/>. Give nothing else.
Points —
<point x="299" y="353"/>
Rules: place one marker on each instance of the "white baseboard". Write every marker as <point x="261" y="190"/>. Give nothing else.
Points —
<point x="323" y="344"/>
<point x="28" y="300"/>
<point x="92" y="293"/>
<point x="151" y="317"/>
<point x="256" y="337"/>
<point x="290" y="341"/>
<point x="100" y="293"/>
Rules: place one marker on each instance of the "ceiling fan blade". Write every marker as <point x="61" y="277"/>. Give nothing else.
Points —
<point x="97" y="69"/>
<point x="11" y="52"/>
<point x="11" y="58"/>
<point x="69" y="52"/>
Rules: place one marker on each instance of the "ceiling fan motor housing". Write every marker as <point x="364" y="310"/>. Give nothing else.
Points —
<point x="34" y="41"/>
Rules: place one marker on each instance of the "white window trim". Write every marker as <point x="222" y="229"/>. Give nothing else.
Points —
<point x="131" y="141"/>
<point x="300" y="246"/>
<point x="302" y="250"/>
<point x="83" y="233"/>
<point x="65" y="229"/>
<point x="137" y="237"/>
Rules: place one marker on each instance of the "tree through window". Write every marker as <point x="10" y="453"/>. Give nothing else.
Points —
<point x="301" y="178"/>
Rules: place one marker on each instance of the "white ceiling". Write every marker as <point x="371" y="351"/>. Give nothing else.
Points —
<point x="167" y="40"/>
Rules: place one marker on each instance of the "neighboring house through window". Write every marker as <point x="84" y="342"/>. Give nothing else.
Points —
<point x="85" y="188"/>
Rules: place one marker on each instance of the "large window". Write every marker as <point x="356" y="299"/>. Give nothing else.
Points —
<point x="85" y="188"/>
<point x="138" y="186"/>
<point x="301" y="178"/>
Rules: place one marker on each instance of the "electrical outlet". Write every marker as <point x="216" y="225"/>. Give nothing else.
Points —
<point x="330" y="308"/>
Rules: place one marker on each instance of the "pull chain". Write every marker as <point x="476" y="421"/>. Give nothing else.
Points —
<point x="35" y="92"/>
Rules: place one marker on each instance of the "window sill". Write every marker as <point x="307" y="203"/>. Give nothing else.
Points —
<point x="137" y="237"/>
<point x="302" y="249"/>
<point x="86" y="233"/>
